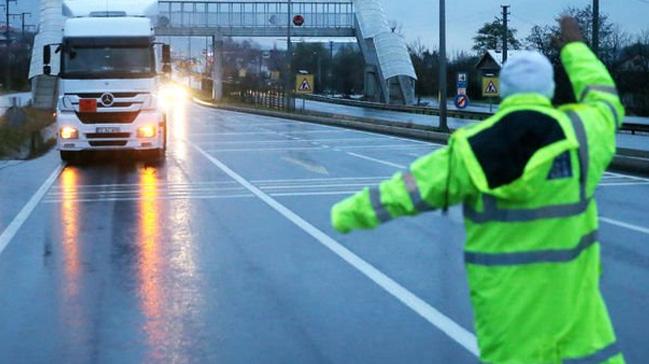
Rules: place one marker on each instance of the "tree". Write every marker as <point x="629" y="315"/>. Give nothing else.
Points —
<point x="349" y="67"/>
<point x="490" y="37"/>
<point x="425" y="63"/>
<point x="612" y="42"/>
<point x="312" y="58"/>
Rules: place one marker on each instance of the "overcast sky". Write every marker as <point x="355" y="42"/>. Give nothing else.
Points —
<point x="420" y="17"/>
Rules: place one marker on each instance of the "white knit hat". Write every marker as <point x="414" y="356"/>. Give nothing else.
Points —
<point x="527" y="72"/>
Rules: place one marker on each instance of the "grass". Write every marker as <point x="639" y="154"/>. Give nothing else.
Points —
<point x="12" y="139"/>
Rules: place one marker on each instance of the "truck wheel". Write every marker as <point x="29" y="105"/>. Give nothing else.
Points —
<point x="70" y="157"/>
<point x="157" y="155"/>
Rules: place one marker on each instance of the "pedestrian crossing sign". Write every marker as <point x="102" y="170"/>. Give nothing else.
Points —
<point x="490" y="87"/>
<point x="304" y="84"/>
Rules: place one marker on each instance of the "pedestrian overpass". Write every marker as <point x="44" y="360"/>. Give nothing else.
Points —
<point x="389" y="73"/>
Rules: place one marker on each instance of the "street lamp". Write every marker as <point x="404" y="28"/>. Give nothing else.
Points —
<point x="289" y="59"/>
<point x="443" y="92"/>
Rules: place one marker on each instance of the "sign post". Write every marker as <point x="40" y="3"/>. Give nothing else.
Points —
<point x="304" y="85"/>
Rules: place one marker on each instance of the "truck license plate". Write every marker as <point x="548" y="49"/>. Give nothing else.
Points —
<point x="107" y="130"/>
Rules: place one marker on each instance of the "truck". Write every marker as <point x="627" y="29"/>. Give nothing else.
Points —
<point x="109" y="79"/>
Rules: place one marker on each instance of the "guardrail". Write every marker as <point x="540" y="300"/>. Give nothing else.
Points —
<point x="626" y="160"/>
<point x="633" y="128"/>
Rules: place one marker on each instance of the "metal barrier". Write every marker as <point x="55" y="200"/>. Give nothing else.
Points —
<point x="254" y="14"/>
<point x="633" y="128"/>
<point x="273" y="98"/>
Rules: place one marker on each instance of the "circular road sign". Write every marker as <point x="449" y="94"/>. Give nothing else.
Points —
<point x="461" y="101"/>
<point x="298" y="20"/>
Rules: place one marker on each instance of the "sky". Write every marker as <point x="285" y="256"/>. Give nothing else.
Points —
<point x="419" y="18"/>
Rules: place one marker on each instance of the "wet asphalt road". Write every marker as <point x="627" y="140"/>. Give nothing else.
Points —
<point x="224" y="254"/>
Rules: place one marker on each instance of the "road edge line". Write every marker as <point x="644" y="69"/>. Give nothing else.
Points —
<point x="442" y="322"/>
<point x="12" y="229"/>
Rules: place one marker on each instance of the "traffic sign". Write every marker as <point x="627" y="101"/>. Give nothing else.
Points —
<point x="298" y="20"/>
<point x="304" y="84"/>
<point x="461" y="101"/>
<point x="490" y="87"/>
<point x="462" y="80"/>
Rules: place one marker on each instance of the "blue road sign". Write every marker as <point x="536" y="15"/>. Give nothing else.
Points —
<point x="462" y="80"/>
<point x="461" y="101"/>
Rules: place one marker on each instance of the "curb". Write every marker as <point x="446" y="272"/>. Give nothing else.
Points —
<point x="626" y="160"/>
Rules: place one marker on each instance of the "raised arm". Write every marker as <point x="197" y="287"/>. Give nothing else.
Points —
<point x="591" y="81"/>
<point x="437" y="180"/>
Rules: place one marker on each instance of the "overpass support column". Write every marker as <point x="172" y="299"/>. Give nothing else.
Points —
<point x="217" y="69"/>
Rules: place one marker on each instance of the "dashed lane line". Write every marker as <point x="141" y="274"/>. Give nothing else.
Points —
<point x="625" y="225"/>
<point x="452" y="329"/>
<point x="10" y="232"/>
<point x="380" y="161"/>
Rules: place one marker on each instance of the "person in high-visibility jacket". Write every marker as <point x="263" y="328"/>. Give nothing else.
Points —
<point x="526" y="178"/>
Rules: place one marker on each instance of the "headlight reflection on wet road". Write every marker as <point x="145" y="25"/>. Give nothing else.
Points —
<point x="150" y="262"/>
<point x="70" y="225"/>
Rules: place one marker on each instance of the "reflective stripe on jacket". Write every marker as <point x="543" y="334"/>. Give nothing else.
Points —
<point x="526" y="178"/>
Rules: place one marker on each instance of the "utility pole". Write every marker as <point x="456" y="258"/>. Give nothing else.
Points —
<point x="506" y="13"/>
<point x="8" y="43"/>
<point x="331" y="68"/>
<point x="289" y="57"/>
<point x="596" y="27"/>
<point x="22" y="19"/>
<point x="443" y="91"/>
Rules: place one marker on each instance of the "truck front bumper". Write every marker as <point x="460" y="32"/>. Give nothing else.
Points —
<point x="111" y="136"/>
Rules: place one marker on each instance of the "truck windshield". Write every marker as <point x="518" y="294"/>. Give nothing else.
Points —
<point x="108" y="62"/>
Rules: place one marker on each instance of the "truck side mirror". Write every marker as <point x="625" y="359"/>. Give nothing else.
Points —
<point x="47" y="59"/>
<point x="166" y="54"/>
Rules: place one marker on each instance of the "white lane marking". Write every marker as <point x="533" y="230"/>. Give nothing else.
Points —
<point x="628" y="176"/>
<point x="625" y="225"/>
<point x="138" y="190"/>
<point x="157" y="198"/>
<point x="308" y="166"/>
<point x="350" y="185"/>
<point x="613" y="184"/>
<point x="385" y="146"/>
<point x="287" y="149"/>
<point x="390" y="164"/>
<point x="296" y="194"/>
<point x="288" y="140"/>
<point x="462" y="336"/>
<point x="18" y="221"/>
<point x="302" y="180"/>
<point x="138" y="186"/>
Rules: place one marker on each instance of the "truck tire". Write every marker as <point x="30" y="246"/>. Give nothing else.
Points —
<point x="69" y="157"/>
<point x="156" y="155"/>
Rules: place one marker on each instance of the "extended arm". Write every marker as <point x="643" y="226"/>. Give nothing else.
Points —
<point x="591" y="81"/>
<point x="435" y="181"/>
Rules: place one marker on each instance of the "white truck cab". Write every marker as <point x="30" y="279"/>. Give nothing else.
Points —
<point x="109" y="80"/>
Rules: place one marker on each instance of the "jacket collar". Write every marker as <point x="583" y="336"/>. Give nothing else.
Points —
<point x="525" y="100"/>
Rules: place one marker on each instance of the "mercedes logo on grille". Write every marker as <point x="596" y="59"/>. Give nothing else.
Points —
<point x="107" y="99"/>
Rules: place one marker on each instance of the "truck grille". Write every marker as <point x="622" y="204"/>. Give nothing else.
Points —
<point x="108" y="117"/>
<point x="108" y="143"/>
<point x="108" y="135"/>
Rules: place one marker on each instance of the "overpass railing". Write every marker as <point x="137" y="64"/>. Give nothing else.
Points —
<point x="254" y="14"/>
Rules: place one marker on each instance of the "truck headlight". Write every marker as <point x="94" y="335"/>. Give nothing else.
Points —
<point x="146" y="132"/>
<point x="68" y="133"/>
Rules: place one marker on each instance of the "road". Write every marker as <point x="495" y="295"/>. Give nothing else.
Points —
<point x="624" y="140"/>
<point x="224" y="254"/>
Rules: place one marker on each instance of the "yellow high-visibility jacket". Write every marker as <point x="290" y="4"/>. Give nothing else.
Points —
<point x="526" y="178"/>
